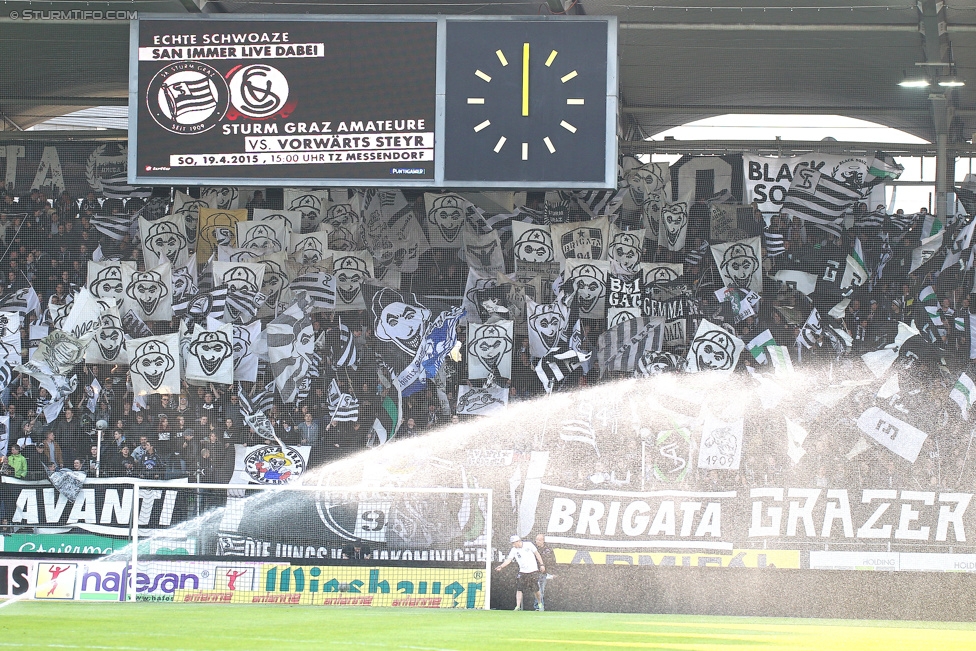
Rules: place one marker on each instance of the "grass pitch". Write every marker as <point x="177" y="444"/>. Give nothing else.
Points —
<point x="199" y="627"/>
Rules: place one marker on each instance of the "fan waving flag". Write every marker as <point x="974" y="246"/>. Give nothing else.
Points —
<point x="819" y="199"/>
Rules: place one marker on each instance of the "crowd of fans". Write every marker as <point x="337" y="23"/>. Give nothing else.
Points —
<point x="47" y="245"/>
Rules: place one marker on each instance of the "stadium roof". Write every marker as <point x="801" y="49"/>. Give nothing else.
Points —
<point x="679" y="61"/>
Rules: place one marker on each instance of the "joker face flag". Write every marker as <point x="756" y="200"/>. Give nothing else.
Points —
<point x="187" y="208"/>
<point x="674" y="226"/>
<point x="222" y="197"/>
<point x="342" y="219"/>
<point x="108" y="346"/>
<point x="490" y="350"/>
<point x="547" y="323"/>
<point x="211" y="355"/>
<point x="531" y="243"/>
<point x="656" y="273"/>
<point x="164" y="239"/>
<point x="588" y="280"/>
<point x="154" y="364"/>
<point x="105" y="280"/>
<point x="309" y="250"/>
<point x="650" y="191"/>
<point x="290" y="219"/>
<point x="445" y="218"/>
<point x="351" y="270"/>
<point x="217" y="228"/>
<point x="246" y="338"/>
<point x="275" y="284"/>
<point x="626" y="248"/>
<point x="413" y="339"/>
<point x="149" y="293"/>
<point x="395" y="239"/>
<point x="263" y="237"/>
<point x="243" y="277"/>
<point x="310" y="204"/>
<point x="739" y="263"/>
<point x="713" y="349"/>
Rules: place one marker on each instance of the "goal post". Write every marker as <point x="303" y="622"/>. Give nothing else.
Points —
<point x="314" y="545"/>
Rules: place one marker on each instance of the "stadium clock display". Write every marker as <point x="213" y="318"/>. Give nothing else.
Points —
<point x="527" y="100"/>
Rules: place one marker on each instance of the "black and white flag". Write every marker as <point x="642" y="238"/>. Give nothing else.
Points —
<point x="291" y="219"/>
<point x="819" y="199"/>
<point x="650" y="191"/>
<point x="261" y="401"/>
<point x="10" y="341"/>
<point x="310" y="250"/>
<point x="23" y="300"/>
<point x="210" y="356"/>
<point x="290" y="352"/>
<point x="154" y="364"/>
<point x="556" y="366"/>
<point x="490" y="349"/>
<point x="587" y="280"/>
<point x="247" y="339"/>
<point x="343" y="407"/>
<point x="445" y="218"/>
<point x="276" y="286"/>
<point x="319" y="286"/>
<point x="810" y="330"/>
<point x="674" y="226"/>
<point x="310" y="205"/>
<point x="656" y="273"/>
<point x="351" y="270"/>
<point x="115" y="226"/>
<point x="547" y="324"/>
<point x="714" y="349"/>
<point x="775" y="243"/>
<point x="108" y="346"/>
<point x="531" y="243"/>
<point x="621" y="347"/>
<point x="164" y="239"/>
<point x="483" y="401"/>
<point x="265" y="237"/>
<point x="740" y="263"/>
<point x="149" y="293"/>
<point x="588" y="240"/>
<point x="105" y="280"/>
<point x="57" y="354"/>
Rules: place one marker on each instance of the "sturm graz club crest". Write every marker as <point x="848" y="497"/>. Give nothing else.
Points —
<point x="268" y="464"/>
<point x="258" y="91"/>
<point x="187" y="97"/>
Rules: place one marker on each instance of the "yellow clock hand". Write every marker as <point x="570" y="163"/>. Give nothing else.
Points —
<point x="525" y="79"/>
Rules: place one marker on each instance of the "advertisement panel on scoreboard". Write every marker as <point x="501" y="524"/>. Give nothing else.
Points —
<point x="395" y="101"/>
<point x="279" y="100"/>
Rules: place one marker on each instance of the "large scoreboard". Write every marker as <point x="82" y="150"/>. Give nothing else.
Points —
<point x="395" y="101"/>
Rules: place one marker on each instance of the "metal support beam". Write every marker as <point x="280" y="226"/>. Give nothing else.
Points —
<point x="64" y="134"/>
<point x="754" y="27"/>
<point x="45" y="100"/>
<point x="690" y="109"/>
<point x="787" y="147"/>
